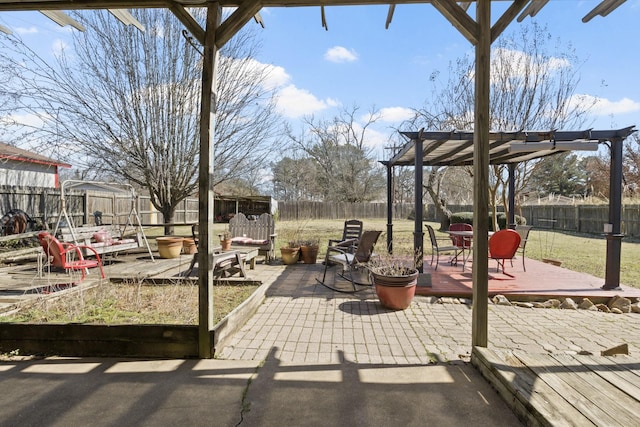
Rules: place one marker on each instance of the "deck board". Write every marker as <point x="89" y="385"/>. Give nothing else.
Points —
<point x="580" y="388"/>
<point x="563" y="389"/>
<point x="540" y="281"/>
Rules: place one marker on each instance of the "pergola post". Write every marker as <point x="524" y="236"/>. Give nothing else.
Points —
<point x="481" y="176"/>
<point x="614" y="238"/>
<point x="205" y="190"/>
<point x="418" y="234"/>
<point x="512" y="196"/>
<point x="390" y="191"/>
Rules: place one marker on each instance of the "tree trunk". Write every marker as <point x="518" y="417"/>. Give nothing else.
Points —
<point x="442" y="212"/>
<point x="167" y="215"/>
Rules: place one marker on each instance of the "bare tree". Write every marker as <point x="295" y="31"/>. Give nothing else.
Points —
<point x="125" y="103"/>
<point x="532" y="88"/>
<point x="346" y="168"/>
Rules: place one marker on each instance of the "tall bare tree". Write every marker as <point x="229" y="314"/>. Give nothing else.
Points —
<point x="125" y="103"/>
<point x="345" y="166"/>
<point x="532" y="88"/>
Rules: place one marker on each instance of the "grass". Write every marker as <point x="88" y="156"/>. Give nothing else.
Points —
<point x="129" y="303"/>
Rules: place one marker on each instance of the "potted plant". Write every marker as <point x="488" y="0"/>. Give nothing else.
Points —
<point x="290" y="252"/>
<point x="169" y="246"/>
<point x="309" y="251"/>
<point x="394" y="279"/>
<point x="225" y="240"/>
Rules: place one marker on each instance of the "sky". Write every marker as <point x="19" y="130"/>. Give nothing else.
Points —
<point x="358" y="62"/>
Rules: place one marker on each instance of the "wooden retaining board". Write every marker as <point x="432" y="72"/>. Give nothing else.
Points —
<point x="175" y="341"/>
<point x="564" y="390"/>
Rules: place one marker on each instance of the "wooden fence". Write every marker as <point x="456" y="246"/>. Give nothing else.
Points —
<point x="44" y="204"/>
<point x="302" y="210"/>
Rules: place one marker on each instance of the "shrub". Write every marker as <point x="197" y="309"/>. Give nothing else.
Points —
<point x="467" y="218"/>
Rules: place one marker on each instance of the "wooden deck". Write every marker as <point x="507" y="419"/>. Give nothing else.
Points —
<point x="21" y="284"/>
<point x="541" y="281"/>
<point x="565" y="390"/>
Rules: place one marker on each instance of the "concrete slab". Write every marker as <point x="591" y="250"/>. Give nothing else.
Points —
<point x="356" y="394"/>
<point x="112" y="392"/>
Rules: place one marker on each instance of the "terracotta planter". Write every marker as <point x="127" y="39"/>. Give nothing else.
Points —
<point x="309" y="254"/>
<point x="290" y="255"/>
<point x="169" y="246"/>
<point x="226" y="244"/>
<point x="189" y="246"/>
<point x="395" y="292"/>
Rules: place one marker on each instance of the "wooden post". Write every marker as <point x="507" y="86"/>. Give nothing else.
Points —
<point x="389" y="207"/>
<point x="205" y="190"/>
<point x="418" y="234"/>
<point x="481" y="176"/>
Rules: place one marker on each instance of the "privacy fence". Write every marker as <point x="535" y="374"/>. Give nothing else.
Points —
<point x="44" y="205"/>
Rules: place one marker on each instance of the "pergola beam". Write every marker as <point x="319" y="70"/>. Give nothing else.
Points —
<point x="507" y="17"/>
<point x="187" y="20"/>
<point x="458" y="18"/>
<point x="126" y="18"/>
<point x="236" y="21"/>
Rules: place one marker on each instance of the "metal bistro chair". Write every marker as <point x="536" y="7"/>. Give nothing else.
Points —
<point x="436" y="249"/>
<point x="523" y="231"/>
<point x="351" y="262"/>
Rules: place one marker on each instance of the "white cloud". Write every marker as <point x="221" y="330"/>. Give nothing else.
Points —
<point x="376" y="139"/>
<point x="276" y="76"/>
<point x="294" y="102"/>
<point x="24" y="30"/>
<point x="58" y="47"/>
<point x="395" y="114"/>
<point x="605" y="107"/>
<point x="340" y="54"/>
<point x="507" y="64"/>
<point x="32" y="120"/>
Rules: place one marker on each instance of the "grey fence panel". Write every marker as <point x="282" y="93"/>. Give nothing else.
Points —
<point x="301" y="210"/>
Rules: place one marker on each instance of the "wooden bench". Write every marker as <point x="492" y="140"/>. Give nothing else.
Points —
<point x="103" y="238"/>
<point x="259" y="233"/>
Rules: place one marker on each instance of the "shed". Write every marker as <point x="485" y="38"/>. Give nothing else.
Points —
<point x="227" y="206"/>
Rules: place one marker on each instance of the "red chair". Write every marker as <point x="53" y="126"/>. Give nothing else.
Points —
<point x="68" y="256"/>
<point x="462" y="243"/>
<point x="503" y="245"/>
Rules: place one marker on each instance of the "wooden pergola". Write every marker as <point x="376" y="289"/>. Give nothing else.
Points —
<point x="479" y="32"/>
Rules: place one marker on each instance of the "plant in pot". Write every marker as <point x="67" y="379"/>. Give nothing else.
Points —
<point x="309" y="251"/>
<point x="290" y="252"/>
<point x="225" y="240"/>
<point x="394" y="279"/>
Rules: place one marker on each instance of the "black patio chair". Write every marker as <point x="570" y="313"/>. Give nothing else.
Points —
<point x="436" y="249"/>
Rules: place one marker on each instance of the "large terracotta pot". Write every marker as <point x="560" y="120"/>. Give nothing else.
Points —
<point x="290" y="255"/>
<point x="169" y="246"/>
<point x="395" y="292"/>
<point x="309" y="254"/>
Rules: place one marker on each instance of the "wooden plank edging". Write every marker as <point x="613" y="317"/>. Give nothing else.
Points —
<point x="532" y="400"/>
